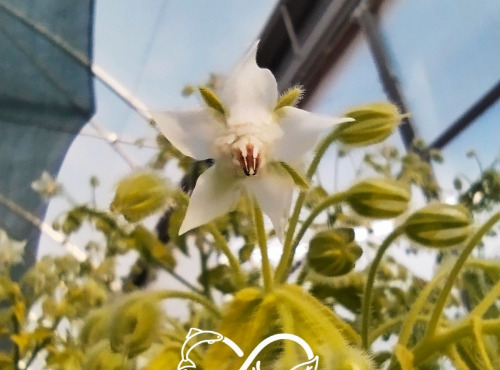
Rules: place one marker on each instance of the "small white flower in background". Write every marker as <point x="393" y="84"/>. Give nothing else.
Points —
<point x="11" y="251"/>
<point x="46" y="186"/>
<point x="245" y="130"/>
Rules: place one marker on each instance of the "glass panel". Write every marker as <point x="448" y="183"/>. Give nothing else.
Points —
<point x="447" y="56"/>
<point x="480" y="137"/>
<point x="353" y="81"/>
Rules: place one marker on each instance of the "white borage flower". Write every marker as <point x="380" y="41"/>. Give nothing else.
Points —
<point x="11" y="251"/>
<point x="46" y="186"/>
<point x="245" y="130"/>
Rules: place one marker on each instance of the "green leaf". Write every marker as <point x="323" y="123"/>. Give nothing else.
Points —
<point x="298" y="179"/>
<point x="211" y="99"/>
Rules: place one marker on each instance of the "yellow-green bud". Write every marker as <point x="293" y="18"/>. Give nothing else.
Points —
<point x="100" y="357"/>
<point x="333" y="252"/>
<point x="148" y="245"/>
<point x="439" y="225"/>
<point x="140" y="195"/>
<point x="379" y="198"/>
<point x="135" y="325"/>
<point x="221" y="277"/>
<point x="373" y="123"/>
<point x="95" y="327"/>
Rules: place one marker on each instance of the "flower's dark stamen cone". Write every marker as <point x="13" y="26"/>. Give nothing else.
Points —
<point x="248" y="162"/>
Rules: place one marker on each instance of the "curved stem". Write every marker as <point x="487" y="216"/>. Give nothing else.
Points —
<point x="328" y="202"/>
<point x="262" y="241"/>
<point x="366" y="300"/>
<point x="287" y="246"/>
<point x="488" y="300"/>
<point x="441" y="302"/>
<point x="411" y="318"/>
<point x="455" y="358"/>
<point x="41" y="345"/>
<point x="169" y="294"/>
<point x="221" y="243"/>
<point x="203" y="266"/>
<point x="17" y="352"/>
<point x="320" y="151"/>
<point x="289" y="249"/>
<point x="302" y="275"/>
<point x="438" y="342"/>
<point x="476" y="329"/>
<point x="181" y="280"/>
<point x="387" y="325"/>
<point x="287" y="325"/>
<point x="416" y="307"/>
<point x="294" y="219"/>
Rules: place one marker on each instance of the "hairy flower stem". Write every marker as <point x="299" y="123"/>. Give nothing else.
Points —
<point x="455" y="358"/>
<point x="203" y="265"/>
<point x="279" y="275"/>
<point x="392" y="323"/>
<point x="17" y="353"/>
<point x="288" y="252"/>
<point x="302" y="275"/>
<point x="289" y="249"/>
<point x="440" y="341"/>
<point x="173" y="294"/>
<point x="40" y="346"/>
<point x="221" y="243"/>
<point x="320" y="151"/>
<point x="416" y="307"/>
<point x="441" y="302"/>
<point x="477" y="331"/>
<point x="262" y="241"/>
<point x="366" y="299"/>
<point x="487" y="301"/>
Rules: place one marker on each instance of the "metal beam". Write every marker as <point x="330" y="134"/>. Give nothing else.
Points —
<point x="386" y="71"/>
<point x="492" y="96"/>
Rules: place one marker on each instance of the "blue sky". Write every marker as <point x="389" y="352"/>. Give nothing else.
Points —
<point x="447" y="54"/>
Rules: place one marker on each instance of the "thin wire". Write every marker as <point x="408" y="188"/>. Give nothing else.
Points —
<point x="147" y="52"/>
<point x="119" y="139"/>
<point x="111" y="140"/>
<point x="44" y="228"/>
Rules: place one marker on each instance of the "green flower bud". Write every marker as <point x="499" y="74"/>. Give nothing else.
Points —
<point x="140" y="195"/>
<point x="220" y="277"/>
<point x="73" y="221"/>
<point x="373" y="123"/>
<point x="333" y="252"/>
<point x="100" y="357"/>
<point x="135" y="325"/>
<point x="148" y="245"/>
<point x="379" y="198"/>
<point x="439" y="225"/>
<point x="95" y="326"/>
